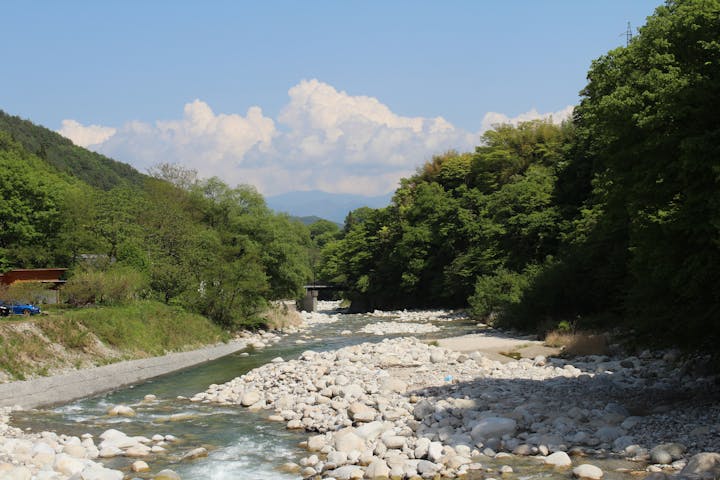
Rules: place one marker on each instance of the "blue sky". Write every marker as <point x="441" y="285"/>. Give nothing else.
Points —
<point x="343" y="96"/>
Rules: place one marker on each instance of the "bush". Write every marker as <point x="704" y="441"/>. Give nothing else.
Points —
<point x="495" y="293"/>
<point x="30" y="292"/>
<point x="113" y="287"/>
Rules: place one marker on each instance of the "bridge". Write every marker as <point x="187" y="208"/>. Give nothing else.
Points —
<point x="311" y="295"/>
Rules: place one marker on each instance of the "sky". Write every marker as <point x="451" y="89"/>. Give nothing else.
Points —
<point x="342" y="96"/>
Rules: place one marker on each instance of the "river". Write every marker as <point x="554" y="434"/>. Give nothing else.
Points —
<point x="242" y="444"/>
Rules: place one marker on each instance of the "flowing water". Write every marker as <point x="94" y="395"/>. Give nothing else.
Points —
<point x="242" y="444"/>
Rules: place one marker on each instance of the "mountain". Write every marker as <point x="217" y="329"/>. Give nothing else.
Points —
<point x="331" y="206"/>
<point x="57" y="151"/>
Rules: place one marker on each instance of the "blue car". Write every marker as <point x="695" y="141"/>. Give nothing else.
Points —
<point x="21" y="308"/>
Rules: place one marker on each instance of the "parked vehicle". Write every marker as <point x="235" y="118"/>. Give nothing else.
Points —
<point x="21" y="308"/>
<point x="4" y="311"/>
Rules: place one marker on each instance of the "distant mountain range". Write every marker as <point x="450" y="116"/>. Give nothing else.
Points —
<point x="330" y="206"/>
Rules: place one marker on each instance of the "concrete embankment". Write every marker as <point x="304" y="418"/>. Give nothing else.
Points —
<point x="70" y="386"/>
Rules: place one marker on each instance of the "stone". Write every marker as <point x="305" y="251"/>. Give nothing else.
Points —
<point x="167" y="475"/>
<point x="378" y="468"/>
<point x="609" y="434"/>
<point x="493" y="427"/>
<point x="360" y="412"/>
<point x="393" y="384"/>
<point x="423" y="409"/>
<point x="456" y="461"/>
<point x="137" y="451"/>
<point x="371" y="430"/>
<point x="523" y="450"/>
<point x="68" y="465"/>
<point x="421" y="447"/>
<point x="98" y="472"/>
<point x="195" y="453"/>
<point x="588" y="471"/>
<point x="346" y="441"/>
<point x="316" y="443"/>
<point x="109" y="452"/>
<point x="666" y="453"/>
<point x="336" y="459"/>
<point x="249" y="398"/>
<point x="703" y="464"/>
<point x="425" y="467"/>
<point x="77" y="451"/>
<point x="558" y="459"/>
<point x="347" y="472"/>
<point x="17" y="473"/>
<point x="435" y="451"/>
<point x="140" y="466"/>
<point x="394" y="441"/>
<point x="121" y="411"/>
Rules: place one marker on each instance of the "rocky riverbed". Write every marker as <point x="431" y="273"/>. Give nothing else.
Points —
<point x="402" y="408"/>
<point x="52" y="456"/>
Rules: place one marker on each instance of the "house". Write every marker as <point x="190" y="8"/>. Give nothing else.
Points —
<point x="51" y="278"/>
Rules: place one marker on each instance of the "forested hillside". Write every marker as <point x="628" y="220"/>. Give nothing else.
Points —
<point x="92" y="168"/>
<point x="610" y="219"/>
<point x="212" y="248"/>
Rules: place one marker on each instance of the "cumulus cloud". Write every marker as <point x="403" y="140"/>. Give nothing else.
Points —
<point x="323" y="139"/>
<point x="85" y="136"/>
<point x="494" y="118"/>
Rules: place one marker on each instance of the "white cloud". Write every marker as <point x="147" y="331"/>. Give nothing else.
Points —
<point x="84" y="136"/>
<point x="493" y="118"/>
<point x="322" y="139"/>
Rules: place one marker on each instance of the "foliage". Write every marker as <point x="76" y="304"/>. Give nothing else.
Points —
<point x="611" y="216"/>
<point x="24" y="292"/>
<point x="116" y="286"/>
<point x="201" y="244"/>
<point x="461" y="217"/>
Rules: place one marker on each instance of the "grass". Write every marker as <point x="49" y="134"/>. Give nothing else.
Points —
<point x="577" y="343"/>
<point x="68" y="338"/>
<point x="146" y="327"/>
<point x="279" y="316"/>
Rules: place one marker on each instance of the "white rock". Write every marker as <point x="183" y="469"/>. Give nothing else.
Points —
<point x="588" y="471"/>
<point x="558" y="459"/>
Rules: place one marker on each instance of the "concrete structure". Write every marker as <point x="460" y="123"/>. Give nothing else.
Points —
<point x="309" y="302"/>
<point x="50" y="278"/>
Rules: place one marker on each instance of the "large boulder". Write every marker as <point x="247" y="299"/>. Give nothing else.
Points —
<point x="493" y="427"/>
<point x="588" y="471"/>
<point x="666" y="453"/>
<point x="346" y="440"/>
<point x="558" y="459"/>
<point x="704" y="464"/>
<point x="378" y="468"/>
<point x="360" y="412"/>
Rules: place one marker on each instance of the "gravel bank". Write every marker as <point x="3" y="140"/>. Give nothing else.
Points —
<point x="403" y="408"/>
<point x="69" y="386"/>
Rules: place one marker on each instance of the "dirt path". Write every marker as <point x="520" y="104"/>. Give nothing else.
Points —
<point x="70" y="386"/>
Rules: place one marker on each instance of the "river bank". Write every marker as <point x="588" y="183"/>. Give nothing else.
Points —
<point x="403" y="408"/>
<point x="396" y="406"/>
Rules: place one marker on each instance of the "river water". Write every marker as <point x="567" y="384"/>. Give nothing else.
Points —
<point x="242" y="444"/>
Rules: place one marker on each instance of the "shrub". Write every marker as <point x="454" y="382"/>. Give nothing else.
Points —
<point x="113" y="287"/>
<point x="495" y="293"/>
<point x="30" y="292"/>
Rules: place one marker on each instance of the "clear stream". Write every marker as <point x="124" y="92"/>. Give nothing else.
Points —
<point x="242" y="444"/>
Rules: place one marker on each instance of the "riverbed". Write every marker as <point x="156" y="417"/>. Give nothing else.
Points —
<point x="238" y="442"/>
<point x="241" y="443"/>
